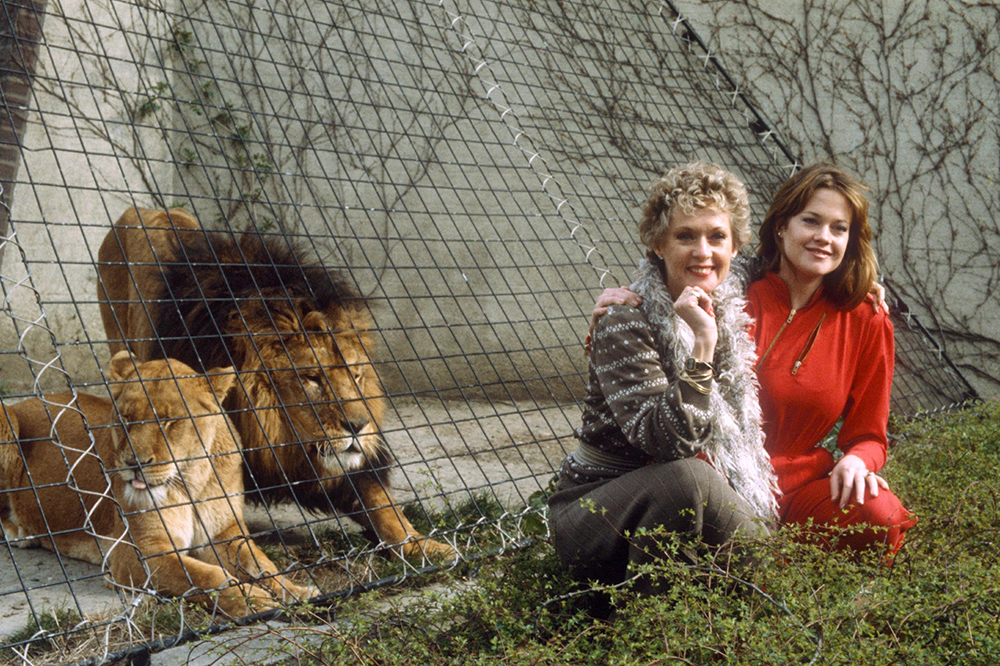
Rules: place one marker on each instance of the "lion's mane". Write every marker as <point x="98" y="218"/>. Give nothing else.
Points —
<point x="220" y="276"/>
<point x="224" y="297"/>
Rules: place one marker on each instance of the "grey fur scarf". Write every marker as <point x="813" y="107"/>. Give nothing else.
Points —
<point x="736" y="447"/>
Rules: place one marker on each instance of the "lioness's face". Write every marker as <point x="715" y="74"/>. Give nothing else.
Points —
<point x="145" y="461"/>
<point x="331" y="400"/>
<point x="168" y="419"/>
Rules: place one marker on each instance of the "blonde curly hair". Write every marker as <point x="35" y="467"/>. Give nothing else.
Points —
<point x="690" y="188"/>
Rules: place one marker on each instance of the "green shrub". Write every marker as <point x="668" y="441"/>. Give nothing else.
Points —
<point x="796" y="603"/>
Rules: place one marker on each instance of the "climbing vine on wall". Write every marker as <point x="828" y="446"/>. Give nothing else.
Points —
<point x="906" y="95"/>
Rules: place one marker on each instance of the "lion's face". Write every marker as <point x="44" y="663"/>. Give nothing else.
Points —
<point x="330" y="398"/>
<point x="169" y="417"/>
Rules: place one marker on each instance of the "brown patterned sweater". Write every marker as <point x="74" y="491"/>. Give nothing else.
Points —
<point x="637" y="410"/>
<point x="634" y="412"/>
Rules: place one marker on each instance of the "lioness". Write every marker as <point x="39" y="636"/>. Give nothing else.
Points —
<point x="309" y="402"/>
<point x="174" y="470"/>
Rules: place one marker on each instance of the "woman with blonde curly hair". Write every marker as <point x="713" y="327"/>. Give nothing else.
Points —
<point x="671" y="432"/>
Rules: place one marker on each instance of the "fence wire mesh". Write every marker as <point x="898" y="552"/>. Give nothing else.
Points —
<point x="390" y="221"/>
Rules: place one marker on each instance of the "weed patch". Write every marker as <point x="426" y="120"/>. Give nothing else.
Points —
<point x="796" y="602"/>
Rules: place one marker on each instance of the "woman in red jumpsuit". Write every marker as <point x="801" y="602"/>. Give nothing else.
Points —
<point x="823" y="354"/>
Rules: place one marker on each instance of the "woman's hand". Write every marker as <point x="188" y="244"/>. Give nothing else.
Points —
<point x="878" y="295"/>
<point x="849" y="480"/>
<point x="609" y="297"/>
<point x="694" y="306"/>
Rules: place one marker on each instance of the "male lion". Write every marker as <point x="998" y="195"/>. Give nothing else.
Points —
<point x="309" y="402"/>
<point x="174" y="470"/>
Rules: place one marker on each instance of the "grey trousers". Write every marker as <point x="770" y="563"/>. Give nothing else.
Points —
<point x="686" y="496"/>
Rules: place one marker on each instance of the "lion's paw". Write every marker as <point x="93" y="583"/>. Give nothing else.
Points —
<point x="18" y="536"/>
<point x="246" y="599"/>
<point x="425" y="548"/>
<point x="290" y="592"/>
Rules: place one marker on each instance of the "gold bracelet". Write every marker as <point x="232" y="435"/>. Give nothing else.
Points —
<point x="697" y="383"/>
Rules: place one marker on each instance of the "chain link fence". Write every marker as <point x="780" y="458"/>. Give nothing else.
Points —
<point x="389" y="222"/>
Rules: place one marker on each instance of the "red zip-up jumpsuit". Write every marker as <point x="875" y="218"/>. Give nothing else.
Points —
<point x="815" y="365"/>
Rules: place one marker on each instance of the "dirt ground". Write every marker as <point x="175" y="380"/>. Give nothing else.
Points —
<point x="445" y="450"/>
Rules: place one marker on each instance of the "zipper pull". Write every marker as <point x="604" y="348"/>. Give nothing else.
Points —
<point x="777" y="335"/>
<point x="810" y="341"/>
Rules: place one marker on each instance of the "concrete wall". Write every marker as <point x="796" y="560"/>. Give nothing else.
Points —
<point x="72" y="182"/>
<point x="906" y="94"/>
<point x="354" y="130"/>
<point x="474" y="168"/>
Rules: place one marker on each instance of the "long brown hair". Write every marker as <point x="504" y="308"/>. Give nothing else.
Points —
<point x="847" y="286"/>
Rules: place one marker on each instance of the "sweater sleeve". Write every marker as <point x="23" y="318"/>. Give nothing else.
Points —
<point x="866" y="415"/>
<point x="656" y="412"/>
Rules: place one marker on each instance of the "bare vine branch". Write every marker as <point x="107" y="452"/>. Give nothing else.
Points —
<point x="906" y="95"/>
